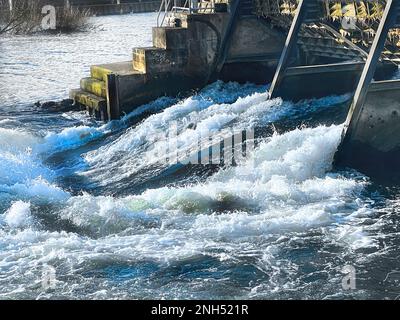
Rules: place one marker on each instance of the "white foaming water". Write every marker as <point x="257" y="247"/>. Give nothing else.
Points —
<point x="188" y="123"/>
<point x="16" y="140"/>
<point x="18" y="163"/>
<point x="255" y="230"/>
<point x="19" y="215"/>
<point x="137" y="148"/>
<point x="283" y="188"/>
<point x="74" y="137"/>
<point x="22" y="174"/>
<point x="70" y="138"/>
<point x="285" y="181"/>
<point x="38" y="189"/>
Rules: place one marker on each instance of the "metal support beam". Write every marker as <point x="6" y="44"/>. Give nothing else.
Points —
<point x="387" y="22"/>
<point x="290" y="43"/>
<point x="226" y="39"/>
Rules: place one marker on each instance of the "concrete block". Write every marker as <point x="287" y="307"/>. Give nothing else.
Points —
<point x="89" y="100"/>
<point x="101" y="71"/>
<point x="95" y="86"/>
<point x="134" y="92"/>
<point x="253" y="37"/>
<point x="170" y="38"/>
<point x="372" y="144"/>
<point x="156" y="60"/>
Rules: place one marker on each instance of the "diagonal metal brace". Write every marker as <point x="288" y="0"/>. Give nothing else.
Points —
<point x="290" y="43"/>
<point x="387" y="22"/>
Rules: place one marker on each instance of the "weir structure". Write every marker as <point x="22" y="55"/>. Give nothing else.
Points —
<point x="193" y="44"/>
<point x="308" y="48"/>
<point x="371" y="136"/>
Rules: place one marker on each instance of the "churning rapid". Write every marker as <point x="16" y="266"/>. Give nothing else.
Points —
<point x="92" y="210"/>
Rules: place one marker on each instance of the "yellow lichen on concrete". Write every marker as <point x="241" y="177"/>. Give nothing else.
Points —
<point x="94" y="86"/>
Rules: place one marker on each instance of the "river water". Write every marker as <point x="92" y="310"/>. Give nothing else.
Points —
<point x="90" y="210"/>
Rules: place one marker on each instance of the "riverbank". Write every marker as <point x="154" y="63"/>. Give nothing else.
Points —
<point x="105" y="7"/>
<point x="122" y="8"/>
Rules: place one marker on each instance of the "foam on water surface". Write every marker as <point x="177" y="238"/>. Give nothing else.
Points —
<point x="19" y="215"/>
<point x="192" y="121"/>
<point x="284" y="188"/>
<point x="280" y="224"/>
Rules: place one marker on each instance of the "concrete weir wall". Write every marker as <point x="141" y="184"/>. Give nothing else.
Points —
<point x="372" y="142"/>
<point x="254" y="51"/>
<point x="233" y="44"/>
<point x="183" y="58"/>
<point x="180" y="59"/>
<point x="325" y="79"/>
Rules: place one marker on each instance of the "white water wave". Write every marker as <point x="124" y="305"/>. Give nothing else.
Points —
<point x="284" y="188"/>
<point x="183" y="127"/>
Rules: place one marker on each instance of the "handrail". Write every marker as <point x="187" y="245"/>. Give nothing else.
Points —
<point x="190" y="6"/>
<point x="166" y="4"/>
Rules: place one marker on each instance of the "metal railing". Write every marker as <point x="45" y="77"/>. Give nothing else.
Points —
<point x="170" y="7"/>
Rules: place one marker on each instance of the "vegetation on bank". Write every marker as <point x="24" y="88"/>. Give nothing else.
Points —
<point x="27" y="17"/>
